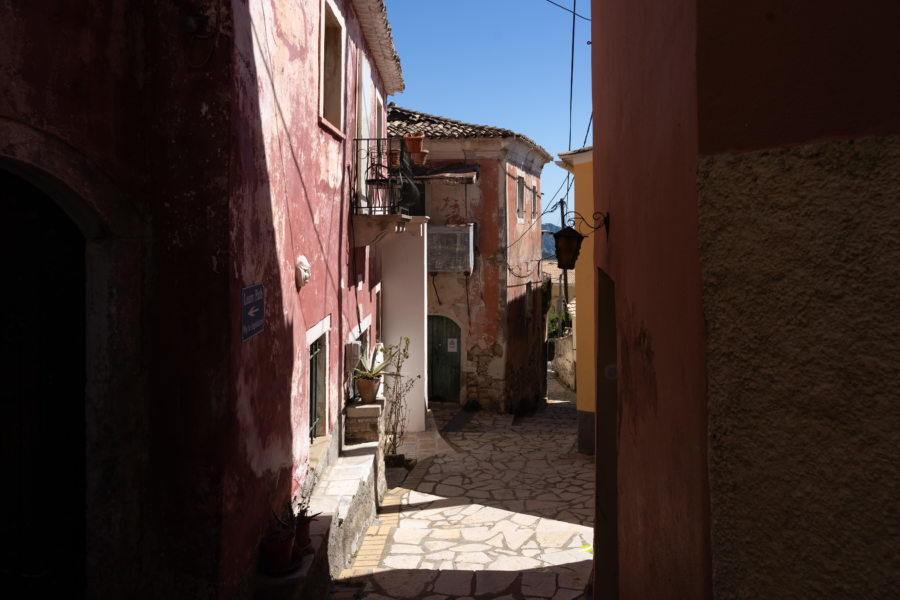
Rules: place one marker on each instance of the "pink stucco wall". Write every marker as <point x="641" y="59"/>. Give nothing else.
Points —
<point x="290" y="196"/>
<point x="187" y="147"/>
<point x="645" y="157"/>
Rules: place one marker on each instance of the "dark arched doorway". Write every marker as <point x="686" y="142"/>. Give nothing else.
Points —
<point x="43" y="412"/>
<point x="444" y="349"/>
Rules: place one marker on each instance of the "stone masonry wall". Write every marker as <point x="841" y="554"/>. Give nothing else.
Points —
<point x="564" y="360"/>
<point x="484" y="377"/>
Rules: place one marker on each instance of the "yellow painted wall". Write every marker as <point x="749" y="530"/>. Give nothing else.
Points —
<point x="585" y="372"/>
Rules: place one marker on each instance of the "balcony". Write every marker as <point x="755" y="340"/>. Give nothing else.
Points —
<point x="384" y="190"/>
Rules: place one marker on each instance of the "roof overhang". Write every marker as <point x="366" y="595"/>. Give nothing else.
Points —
<point x="575" y="157"/>
<point x="376" y="29"/>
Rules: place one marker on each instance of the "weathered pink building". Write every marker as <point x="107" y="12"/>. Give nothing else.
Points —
<point x="481" y="189"/>
<point x="163" y="170"/>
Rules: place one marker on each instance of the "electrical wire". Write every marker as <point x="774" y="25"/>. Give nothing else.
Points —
<point x="568" y="10"/>
<point x="591" y="120"/>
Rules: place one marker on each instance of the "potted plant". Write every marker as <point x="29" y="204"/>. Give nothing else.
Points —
<point x="302" y="520"/>
<point x="277" y="549"/>
<point x="414" y="141"/>
<point x="368" y="374"/>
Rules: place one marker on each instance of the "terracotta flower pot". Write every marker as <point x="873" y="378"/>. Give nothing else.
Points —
<point x="301" y="538"/>
<point x="419" y="158"/>
<point x="368" y="389"/>
<point x="414" y="141"/>
<point x="276" y="554"/>
<point x="395" y="158"/>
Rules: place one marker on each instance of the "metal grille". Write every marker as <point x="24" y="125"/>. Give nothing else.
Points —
<point x="386" y="186"/>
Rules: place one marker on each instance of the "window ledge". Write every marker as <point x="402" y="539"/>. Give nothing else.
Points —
<point x="327" y="126"/>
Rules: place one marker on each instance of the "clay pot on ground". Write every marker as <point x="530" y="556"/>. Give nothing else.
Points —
<point x="368" y="389"/>
<point x="414" y="141"/>
<point x="276" y="553"/>
<point x="301" y="537"/>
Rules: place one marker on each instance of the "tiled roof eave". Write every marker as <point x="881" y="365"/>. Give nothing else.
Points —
<point x="402" y="121"/>
<point x="373" y="21"/>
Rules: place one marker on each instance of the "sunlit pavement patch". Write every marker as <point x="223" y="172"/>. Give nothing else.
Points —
<point x="508" y="515"/>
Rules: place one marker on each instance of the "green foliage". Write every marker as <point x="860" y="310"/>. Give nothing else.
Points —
<point x="367" y="367"/>
<point x="554" y="323"/>
<point x="546" y="292"/>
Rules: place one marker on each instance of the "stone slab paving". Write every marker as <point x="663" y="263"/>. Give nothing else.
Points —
<point x="507" y="514"/>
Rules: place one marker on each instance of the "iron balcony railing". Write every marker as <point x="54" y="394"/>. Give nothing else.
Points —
<point x="384" y="177"/>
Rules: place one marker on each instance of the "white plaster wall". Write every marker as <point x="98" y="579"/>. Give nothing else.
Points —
<point x="405" y="308"/>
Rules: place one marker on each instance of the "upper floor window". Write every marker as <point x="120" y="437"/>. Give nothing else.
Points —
<point x="534" y="202"/>
<point x="331" y="66"/>
<point x="520" y="197"/>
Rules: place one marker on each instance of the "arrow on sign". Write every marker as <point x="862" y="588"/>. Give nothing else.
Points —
<point x="252" y="312"/>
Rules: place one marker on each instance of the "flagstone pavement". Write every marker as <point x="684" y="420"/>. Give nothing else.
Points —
<point x="502" y="509"/>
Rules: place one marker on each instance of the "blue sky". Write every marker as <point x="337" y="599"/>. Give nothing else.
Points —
<point x="503" y="63"/>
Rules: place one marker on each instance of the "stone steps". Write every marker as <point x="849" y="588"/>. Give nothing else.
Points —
<point x="346" y="492"/>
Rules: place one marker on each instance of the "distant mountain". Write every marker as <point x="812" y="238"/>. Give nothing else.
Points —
<point x="548" y="246"/>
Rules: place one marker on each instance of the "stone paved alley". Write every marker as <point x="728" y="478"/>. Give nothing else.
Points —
<point x="504" y="510"/>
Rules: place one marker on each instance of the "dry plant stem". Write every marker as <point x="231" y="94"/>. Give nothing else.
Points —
<point x="397" y="387"/>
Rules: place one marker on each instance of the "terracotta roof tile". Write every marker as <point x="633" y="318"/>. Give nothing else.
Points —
<point x="402" y="121"/>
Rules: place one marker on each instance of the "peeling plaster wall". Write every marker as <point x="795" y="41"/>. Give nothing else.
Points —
<point x="801" y="281"/>
<point x="473" y="302"/>
<point x="291" y="180"/>
<point x="501" y="328"/>
<point x="194" y="163"/>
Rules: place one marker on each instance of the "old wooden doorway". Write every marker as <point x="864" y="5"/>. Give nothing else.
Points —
<point x="444" y="349"/>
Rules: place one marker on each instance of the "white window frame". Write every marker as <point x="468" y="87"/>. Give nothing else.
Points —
<point x="322" y="330"/>
<point x="331" y="17"/>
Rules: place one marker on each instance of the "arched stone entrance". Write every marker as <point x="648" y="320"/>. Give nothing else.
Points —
<point x="42" y="365"/>
<point x="74" y="245"/>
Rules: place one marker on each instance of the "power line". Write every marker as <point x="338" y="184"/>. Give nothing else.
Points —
<point x="568" y="10"/>
<point x="591" y="120"/>
<point x="571" y="85"/>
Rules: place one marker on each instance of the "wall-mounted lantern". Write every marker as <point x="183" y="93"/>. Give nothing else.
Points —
<point x="568" y="240"/>
<point x="568" y="245"/>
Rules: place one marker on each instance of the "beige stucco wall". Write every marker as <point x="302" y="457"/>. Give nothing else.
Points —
<point x="585" y="370"/>
<point x="800" y="258"/>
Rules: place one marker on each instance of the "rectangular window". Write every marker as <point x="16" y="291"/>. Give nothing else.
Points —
<point x="317" y="375"/>
<point x="331" y="76"/>
<point x="534" y="202"/>
<point x="520" y="197"/>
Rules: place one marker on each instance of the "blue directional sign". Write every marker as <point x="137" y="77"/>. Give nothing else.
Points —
<point x="253" y="311"/>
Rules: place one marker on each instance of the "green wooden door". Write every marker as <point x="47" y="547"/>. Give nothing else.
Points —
<point x="444" y="348"/>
